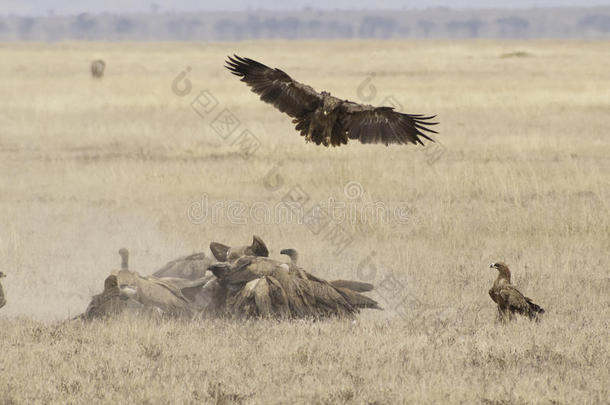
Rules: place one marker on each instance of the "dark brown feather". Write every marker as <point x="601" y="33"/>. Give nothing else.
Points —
<point x="511" y="301"/>
<point x="108" y="303"/>
<point x="260" y="286"/>
<point x="383" y="125"/>
<point x="275" y="87"/>
<point x="324" y="119"/>
<point x="357" y="286"/>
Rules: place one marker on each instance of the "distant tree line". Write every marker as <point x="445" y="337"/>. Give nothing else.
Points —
<point x="430" y="23"/>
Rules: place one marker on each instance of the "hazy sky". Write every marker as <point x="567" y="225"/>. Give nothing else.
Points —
<point x="43" y="7"/>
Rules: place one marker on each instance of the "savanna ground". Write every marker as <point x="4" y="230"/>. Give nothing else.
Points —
<point x="523" y="175"/>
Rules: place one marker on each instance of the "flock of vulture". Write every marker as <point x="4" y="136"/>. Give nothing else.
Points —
<point x="239" y="282"/>
<point x="244" y="282"/>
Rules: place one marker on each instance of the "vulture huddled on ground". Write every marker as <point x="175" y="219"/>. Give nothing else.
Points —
<point x="242" y="282"/>
<point x="324" y="119"/>
<point x="127" y="290"/>
<point x="257" y="286"/>
<point x="510" y="301"/>
<point x="2" y="298"/>
<point x="109" y="302"/>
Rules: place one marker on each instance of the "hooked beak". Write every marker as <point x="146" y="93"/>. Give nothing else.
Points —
<point x="492" y="266"/>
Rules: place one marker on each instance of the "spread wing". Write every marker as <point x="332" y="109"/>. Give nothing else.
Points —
<point x="275" y="87"/>
<point x="371" y="124"/>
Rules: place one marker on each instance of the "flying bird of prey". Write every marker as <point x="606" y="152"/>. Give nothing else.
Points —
<point x="510" y="300"/>
<point x="325" y="119"/>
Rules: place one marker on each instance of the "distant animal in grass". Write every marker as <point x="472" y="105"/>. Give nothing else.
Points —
<point x="509" y="300"/>
<point x="2" y="297"/>
<point x="324" y="119"/>
<point x="97" y="68"/>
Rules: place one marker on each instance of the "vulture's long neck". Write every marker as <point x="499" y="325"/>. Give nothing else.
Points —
<point x="292" y="254"/>
<point x="124" y="259"/>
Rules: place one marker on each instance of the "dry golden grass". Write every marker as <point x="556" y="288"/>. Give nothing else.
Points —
<point x="89" y="166"/>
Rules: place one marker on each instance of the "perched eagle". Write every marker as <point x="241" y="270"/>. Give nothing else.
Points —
<point x="328" y="120"/>
<point x="510" y="300"/>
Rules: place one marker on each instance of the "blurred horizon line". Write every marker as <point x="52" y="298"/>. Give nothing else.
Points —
<point x="50" y="13"/>
<point x="309" y="23"/>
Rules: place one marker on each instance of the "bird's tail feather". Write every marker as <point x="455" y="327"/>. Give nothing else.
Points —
<point x="357" y="286"/>
<point x="536" y="308"/>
